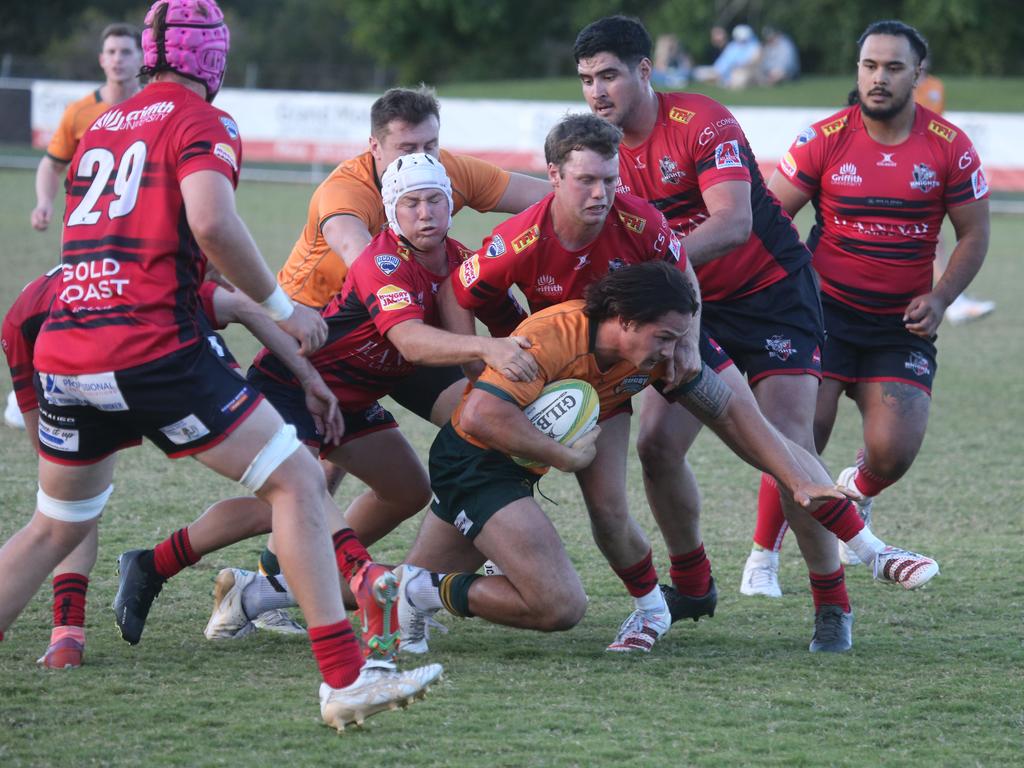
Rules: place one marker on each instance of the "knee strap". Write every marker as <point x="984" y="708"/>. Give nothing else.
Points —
<point x="73" y="511"/>
<point x="278" y="448"/>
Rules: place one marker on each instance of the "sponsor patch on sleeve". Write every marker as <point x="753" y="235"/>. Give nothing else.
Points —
<point x="392" y="298"/>
<point x="942" y="130"/>
<point x="469" y="271"/>
<point x="231" y="127"/>
<point x="675" y="246"/>
<point x="226" y="153"/>
<point x="834" y="127"/>
<point x="496" y="248"/>
<point x="632" y="222"/>
<point x="525" y="240"/>
<point x="387" y="263"/>
<point x="788" y="165"/>
<point x="727" y="155"/>
<point x="979" y="183"/>
<point x="805" y="136"/>
<point x="681" y="115"/>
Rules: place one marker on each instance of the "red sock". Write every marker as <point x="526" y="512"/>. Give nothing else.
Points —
<point x="829" y="589"/>
<point x="640" y="578"/>
<point x="337" y="653"/>
<point x="771" y="520"/>
<point x="174" y="554"/>
<point x="691" y="572"/>
<point x="349" y="552"/>
<point x="69" y="599"/>
<point x="840" y="517"/>
<point x="868" y="482"/>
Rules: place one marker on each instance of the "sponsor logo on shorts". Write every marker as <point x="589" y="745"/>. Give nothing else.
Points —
<point x="463" y="523"/>
<point x="681" y="115"/>
<point x="237" y="401"/>
<point x="633" y="223"/>
<point x="632" y="384"/>
<point x="847" y="176"/>
<point x="185" y="431"/>
<point x="57" y="438"/>
<point x="727" y="155"/>
<point x="924" y="178"/>
<point x="496" y="248"/>
<point x="374" y="413"/>
<point x="834" y="127"/>
<point x="918" y="364"/>
<point x="979" y="183"/>
<point x="547" y="285"/>
<point x="805" y="136"/>
<point x="886" y="161"/>
<point x="214" y="341"/>
<point x="780" y="348"/>
<point x="230" y="126"/>
<point x="469" y="271"/>
<point x="391" y="298"/>
<point x="816" y="357"/>
<point x="387" y="263"/>
<point x="118" y="120"/>
<point x="226" y="153"/>
<point x="788" y="165"/>
<point x="942" y="130"/>
<point x="526" y="239"/>
<point x="96" y="390"/>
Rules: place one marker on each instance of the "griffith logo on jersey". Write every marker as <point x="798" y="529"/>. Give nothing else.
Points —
<point x="942" y="130"/>
<point x="727" y="155"/>
<point x="387" y="263"/>
<point x="681" y="115"/>
<point x="834" y="127"/>
<point x="469" y="271"/>
<point x="496" y="248"/>
<point x="526" y="239"/>
<point x="547" y="285"/>
<point x="391" y="298"/>
<point x="924" y="178"/>
<point x="117" y="120"/>
<point x="847" y="176"/>
<point x="633" y="223"/>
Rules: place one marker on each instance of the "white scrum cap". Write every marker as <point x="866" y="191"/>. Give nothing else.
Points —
<point x="410" y="173"/>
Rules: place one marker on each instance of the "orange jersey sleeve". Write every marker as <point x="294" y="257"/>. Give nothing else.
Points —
<point x="76" y="119"/>
<point x="475" y="183"/>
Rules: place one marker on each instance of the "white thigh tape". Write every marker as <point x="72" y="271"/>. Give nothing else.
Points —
<point x="278" y="448"/>
<point x="73" y="511"/>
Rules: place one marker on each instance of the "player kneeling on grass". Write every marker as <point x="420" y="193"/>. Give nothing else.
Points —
<point x="121" y="354"/>
<point x="620" y="338"/>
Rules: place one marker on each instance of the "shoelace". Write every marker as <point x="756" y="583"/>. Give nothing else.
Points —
<point x="762" y="576"/>
<point x="829" y="626"/>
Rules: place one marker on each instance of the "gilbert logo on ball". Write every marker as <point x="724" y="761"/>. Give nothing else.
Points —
<point x="565" y="411"/>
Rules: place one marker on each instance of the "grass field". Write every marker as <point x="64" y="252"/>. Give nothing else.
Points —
<point x="935" y="677"/>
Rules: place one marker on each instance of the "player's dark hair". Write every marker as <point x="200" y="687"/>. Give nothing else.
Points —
<point x="410" y="105"/>
<point x="121" y="29"/>
<point x="640" y="293"/>
<point x="897" y="28"/>
<point x="623" y="36"/>
<point x="581" y="131"/>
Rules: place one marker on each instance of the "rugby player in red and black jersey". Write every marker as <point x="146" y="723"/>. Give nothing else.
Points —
<point x="688" y="155"/>
<point x="121" y="354"/>
<point x="882" y="174"/>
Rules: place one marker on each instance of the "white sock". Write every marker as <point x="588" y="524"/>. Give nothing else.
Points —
<point x="652" y="601"/>
<point x="423" y="593"/>
<point x="866" y="545"/>
<point x="260" y="596"/>
<point x="765" y="557"/>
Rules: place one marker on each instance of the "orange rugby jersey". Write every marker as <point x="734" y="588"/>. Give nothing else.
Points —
<point x="76" y="119"/>
<point x="313" y="273"/>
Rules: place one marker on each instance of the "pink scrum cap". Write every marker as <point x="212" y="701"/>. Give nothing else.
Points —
<point x="188" y="37"/>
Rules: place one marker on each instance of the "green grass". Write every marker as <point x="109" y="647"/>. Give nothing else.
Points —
<point x="962" y="93"/>
<point x="935" y="677"/>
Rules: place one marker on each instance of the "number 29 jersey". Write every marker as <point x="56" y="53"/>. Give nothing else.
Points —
<point x="130" y="267"/>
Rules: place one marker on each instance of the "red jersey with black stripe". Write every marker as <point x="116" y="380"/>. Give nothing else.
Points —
<point x="525" y="251"/>
<point x="695" y="144"/>
<point x="21" y="327"/>
<point x="131" y="268"/>
<point x="879" y="207"/>
<point x="384" y="286"/>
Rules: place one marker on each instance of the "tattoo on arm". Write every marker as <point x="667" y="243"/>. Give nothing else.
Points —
<point x="706" y="395"/>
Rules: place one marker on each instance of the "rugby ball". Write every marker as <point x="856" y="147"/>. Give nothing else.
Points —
<point x="565" y="411"/>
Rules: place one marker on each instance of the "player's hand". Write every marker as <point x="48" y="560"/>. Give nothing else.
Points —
<point x="510" y="358"/>
<point x="41" y="216"/>
<point x="582" y="452"/>
<point x="684" y="364"/>
<point x="807" y="493"/>
<point x="307" y="327"/>
<point x="323" y="407"/>
<point x="923" y="315"/>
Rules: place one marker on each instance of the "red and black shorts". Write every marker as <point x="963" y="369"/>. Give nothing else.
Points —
<point x="778" y="330"/>
<point x="185" y="403"/>
<point x="864" y="346"/>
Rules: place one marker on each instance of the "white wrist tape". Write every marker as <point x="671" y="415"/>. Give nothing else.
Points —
<point x="278" y="305"/>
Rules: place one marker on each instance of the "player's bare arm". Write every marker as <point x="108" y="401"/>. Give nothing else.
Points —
<point x="737" y="420"/>
<point x="686" y="362"/>
<point x="728" y="224"/>
<point x="971" y="223"/>
<point x="346" y="235"/>
<point x="791" y="198"/>
<point x="502" y="425"/>
<point x="522" y="192"/>
<point x="424" y="344"/>
<point x="48" y="178"/>
<point x="219" y="231"/>
<point x="457" y="319"/>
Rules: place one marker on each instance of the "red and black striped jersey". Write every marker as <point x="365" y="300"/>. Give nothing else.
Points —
<point x="131" y="268"/>
<point x="525" y="251"/>
<point x="695" y="144"/>
<point x="21" y="327"/>
<point x="879" y="207"/>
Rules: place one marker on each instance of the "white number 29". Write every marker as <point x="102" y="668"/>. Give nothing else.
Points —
<point x="98" y="164"/>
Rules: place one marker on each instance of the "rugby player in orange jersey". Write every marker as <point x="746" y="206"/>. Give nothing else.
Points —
<point x="623" y="336"/>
